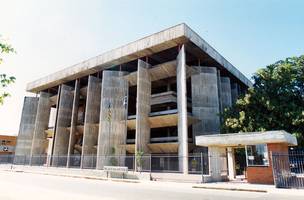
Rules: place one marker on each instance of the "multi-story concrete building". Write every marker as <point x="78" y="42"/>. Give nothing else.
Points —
<point x="151" y="96"/>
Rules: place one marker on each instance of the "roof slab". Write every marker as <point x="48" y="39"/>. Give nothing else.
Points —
<point x="163" y="40"/>
<point x="248" y="138"/>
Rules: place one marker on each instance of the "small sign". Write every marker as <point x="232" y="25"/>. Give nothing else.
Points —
<point x="250" y="157"/>
<point x="115" y="169"/>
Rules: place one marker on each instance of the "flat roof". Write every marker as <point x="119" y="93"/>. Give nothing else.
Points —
<point x="146" y="46"/>
<point x="248" y="138"/>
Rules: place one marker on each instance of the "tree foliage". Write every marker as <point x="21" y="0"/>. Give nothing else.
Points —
<point x="4" y="79"/>
<point x="275" y="102"/>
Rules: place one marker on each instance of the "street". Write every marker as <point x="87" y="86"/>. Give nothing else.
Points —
<point x="14" y="185"/>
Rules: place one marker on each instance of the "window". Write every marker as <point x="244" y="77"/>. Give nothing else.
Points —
<point x="257" y="155"/>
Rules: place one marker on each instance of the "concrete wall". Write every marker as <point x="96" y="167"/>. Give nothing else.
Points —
<point x="39" y="143"/>
<point x="113" y="116"/>
<point x="205" y="101"/>
<point x="182" y="110"/>
<point x="143" y="108"/>
<point x="63" y="122"/>
<point x="91" y="122"/>
<point x="26" y="130"/>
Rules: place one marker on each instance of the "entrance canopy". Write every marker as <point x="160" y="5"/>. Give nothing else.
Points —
<point x="248" y="138"/>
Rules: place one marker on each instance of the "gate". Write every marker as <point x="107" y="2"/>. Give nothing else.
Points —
<point x="288" y="170"/>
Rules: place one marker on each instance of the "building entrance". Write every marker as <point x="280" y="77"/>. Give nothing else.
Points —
<point x="240" y="163"/>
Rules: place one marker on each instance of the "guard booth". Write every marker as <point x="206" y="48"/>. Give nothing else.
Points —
<point x="258" y="146"/>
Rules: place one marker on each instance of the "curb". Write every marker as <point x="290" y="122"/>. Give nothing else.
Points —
<point x="230" y="189"/>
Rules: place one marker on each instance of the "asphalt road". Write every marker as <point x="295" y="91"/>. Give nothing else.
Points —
<point x="14" y="185"/>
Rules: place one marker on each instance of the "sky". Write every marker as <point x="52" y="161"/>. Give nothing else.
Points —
<point x="50" y="35"/>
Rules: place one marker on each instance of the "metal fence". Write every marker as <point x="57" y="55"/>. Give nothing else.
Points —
<point x="198" y="163"/>
<point x="288" y="170"/>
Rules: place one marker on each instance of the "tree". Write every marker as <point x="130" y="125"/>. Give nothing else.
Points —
<point x="4" y="79"/>
<point x="275" y="102"/>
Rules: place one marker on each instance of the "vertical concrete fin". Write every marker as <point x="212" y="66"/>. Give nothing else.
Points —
<point x="113" y="119"/>
<point x="63" y="122"/>
<point x="182" y="110"/>
<point x="219" y="87"/>
<point x="205" y="101"/>
<point x="74" y="120"/>
<point x="225" y="93"/>
<point x="41" y="124"/>
<point x="234" y="92"/>
<point x="91" y="122"/>
<point x="205" y="106"/>
<point x="143" y="108"/>
<point x="26" y="130"/>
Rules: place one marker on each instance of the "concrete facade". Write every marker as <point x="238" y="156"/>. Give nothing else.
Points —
<point x="152" y="97"/>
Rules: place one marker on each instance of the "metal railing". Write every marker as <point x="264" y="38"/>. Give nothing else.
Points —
<point x="288" y="170"/>
<point x="198" y="163"/>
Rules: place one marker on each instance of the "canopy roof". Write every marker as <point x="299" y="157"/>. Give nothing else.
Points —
<point x="248" y="138"/>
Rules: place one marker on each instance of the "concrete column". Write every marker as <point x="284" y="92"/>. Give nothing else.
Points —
<point x="26" y="130"/>
<point x="91" y="122"/>
<point x="113" y="119"/>
<point x="225" y="93"/>
<point x="63" y="122"/>
<point x="234" y="92"/>
<point x="39" y="143"/>
<point x="231" y="163"/>
<point x="205" y="101"/>
<point x="182" y="110"/>
<point x="73" y="121"/>
<point x="143" y="108"/>
<point x="217" y="162"/>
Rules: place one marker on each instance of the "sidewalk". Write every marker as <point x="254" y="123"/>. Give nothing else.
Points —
<point x="234" y="186"/>
<point x="133" y="177"/>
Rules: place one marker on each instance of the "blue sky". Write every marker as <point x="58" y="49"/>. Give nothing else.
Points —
<point x="51" y="35"/>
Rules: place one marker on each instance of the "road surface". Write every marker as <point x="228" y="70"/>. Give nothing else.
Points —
<point x="18" y="185"/>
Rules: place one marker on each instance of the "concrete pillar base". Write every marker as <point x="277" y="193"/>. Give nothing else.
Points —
<point x="231" y="163"/>
<point x="217" y="163"/>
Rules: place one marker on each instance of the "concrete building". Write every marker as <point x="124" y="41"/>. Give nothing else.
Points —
<point x="7" y="144"/>
<point x="149" y="97"/>
<point x="7" y="148"/>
